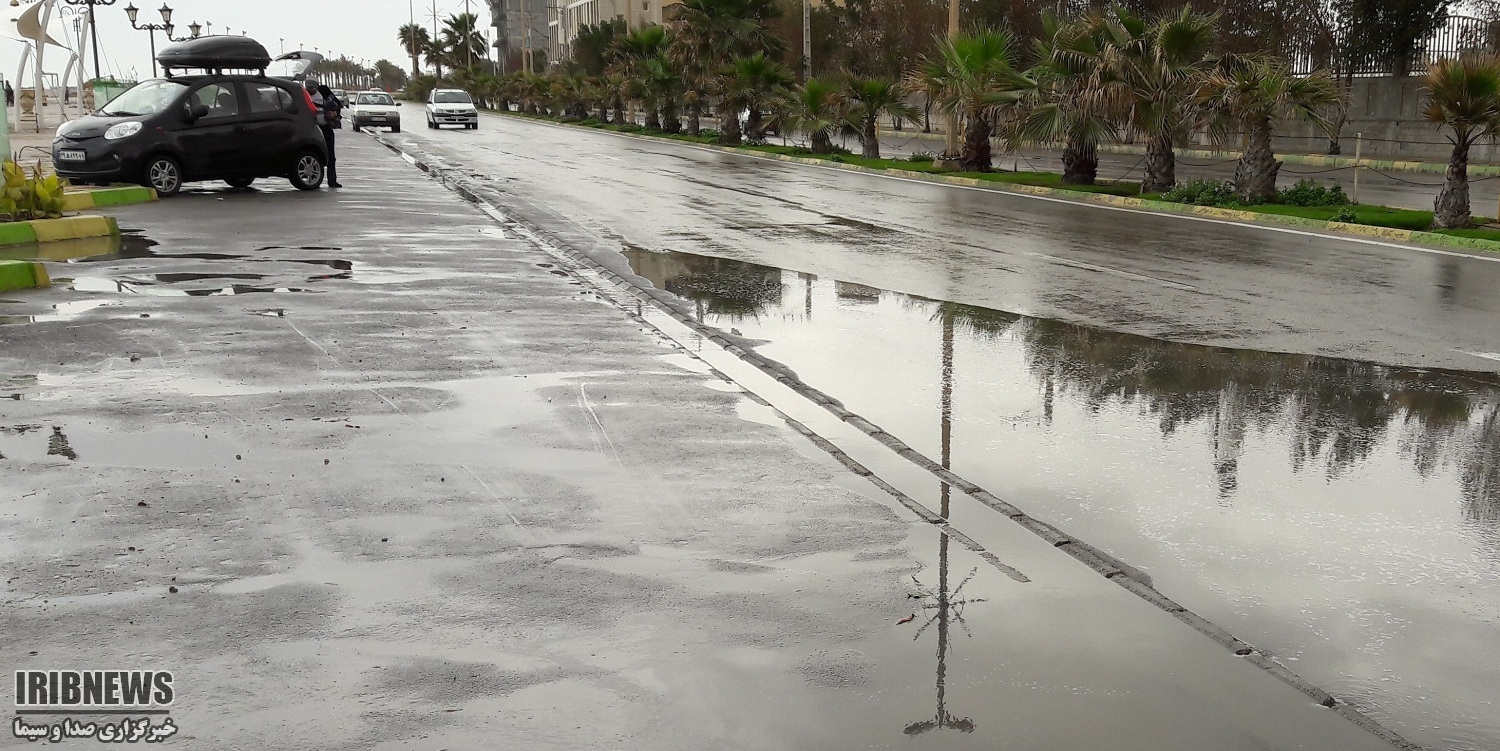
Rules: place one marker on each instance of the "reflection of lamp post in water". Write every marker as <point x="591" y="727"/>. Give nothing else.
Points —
<point x="950" y="605"/>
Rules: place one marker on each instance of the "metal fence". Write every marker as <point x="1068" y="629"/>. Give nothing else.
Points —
<point x="1337" y="50"/>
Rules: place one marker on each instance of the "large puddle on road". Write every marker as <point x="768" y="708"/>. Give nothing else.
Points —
<point x="1341" y="515"/>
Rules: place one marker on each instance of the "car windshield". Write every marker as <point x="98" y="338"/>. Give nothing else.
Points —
<point x="452" y="97"/>
<point x="376" y="99"/>
<point x="145" y="98"/>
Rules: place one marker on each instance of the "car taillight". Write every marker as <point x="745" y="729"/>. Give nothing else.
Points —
<point x="311" y="107"/>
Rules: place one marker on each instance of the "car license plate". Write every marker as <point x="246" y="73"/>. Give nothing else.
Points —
<point x="377" y="119"/>
<point x="72" y="155"/>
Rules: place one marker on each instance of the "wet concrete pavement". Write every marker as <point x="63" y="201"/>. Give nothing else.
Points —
<point x="417" y="486"/>
<point x="1343" y="513"/>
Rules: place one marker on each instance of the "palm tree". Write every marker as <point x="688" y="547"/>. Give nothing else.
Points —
<point x="415" y="40"/>
<point x="747" y="84"/>
<point x="1073" y="99"/>
<point x="814" y="108"/>
<point x="1160" y="66"/>
<point x="631" y="53"/>
<point x="973" y="76"/>
<point x="712" y="34"/>
<point x="436" y="54"/>
<point x="663" y="86"/>
<point x="613" y="88"/>
<point x="869" y="99"/>
<point x="463" y="41"/>
<point x="1250" y="94"/>
<point x="1463" y="95"/>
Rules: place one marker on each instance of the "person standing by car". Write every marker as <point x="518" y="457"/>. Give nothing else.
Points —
<point x="330" y="117"/>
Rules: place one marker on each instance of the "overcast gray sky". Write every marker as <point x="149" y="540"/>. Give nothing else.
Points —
<point x="361" y="29"/>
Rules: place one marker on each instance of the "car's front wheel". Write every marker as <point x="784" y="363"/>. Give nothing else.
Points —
<point x="308" y="172"/>
<point x="396" y="128"/>
<point x="164" y="175"/>
<point x="240" y="182"/>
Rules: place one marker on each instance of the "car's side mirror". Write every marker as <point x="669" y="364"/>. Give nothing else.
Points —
<point x="197" y="111"/>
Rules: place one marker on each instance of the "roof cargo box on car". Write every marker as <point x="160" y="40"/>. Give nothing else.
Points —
<point x="215" y="53"/>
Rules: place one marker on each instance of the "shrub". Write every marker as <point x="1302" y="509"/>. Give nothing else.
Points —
<point x="1203" y="193"/>
<point x="1345" y="215"/>
<point x="709" y="133"/>
<point x="592" y="122"/>
<point x="1309" y="193"/>
<point x="36" y="197"/>
<point x="922" y="156"/>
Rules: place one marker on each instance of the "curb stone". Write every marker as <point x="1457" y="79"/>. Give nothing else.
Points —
<point x="66" y="228"/>
<point x="23" y="275"/>
<point x="93" y="198"/>
<point x="1235" y="215"/>
<point x="1101" y="563"/>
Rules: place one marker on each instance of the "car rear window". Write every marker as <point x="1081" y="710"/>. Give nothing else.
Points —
<point x="451" y="97"/>
<point x="145" y="98"/>
<point x="265" y="97"/>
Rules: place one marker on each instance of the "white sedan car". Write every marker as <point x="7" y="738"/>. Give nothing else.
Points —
<point x="373" y="109"/>
<point x="451" y="107"/>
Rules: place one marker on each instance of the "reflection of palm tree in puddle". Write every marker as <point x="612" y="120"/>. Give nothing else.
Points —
<point x="948" y="606"/>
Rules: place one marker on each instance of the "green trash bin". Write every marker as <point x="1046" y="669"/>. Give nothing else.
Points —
<point x="106" y="89"/>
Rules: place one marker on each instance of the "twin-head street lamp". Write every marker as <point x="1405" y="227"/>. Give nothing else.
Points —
<point x="165" y="25"/>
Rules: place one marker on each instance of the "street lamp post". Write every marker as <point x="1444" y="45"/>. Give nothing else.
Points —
<point x="193" y="28"/>
<point x="165" y="25"/>
<point x="93" y="27"/>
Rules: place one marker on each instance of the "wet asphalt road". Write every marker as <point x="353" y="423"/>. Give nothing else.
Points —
<point x="1344" y="513"/>
<point x="1190" y="280"/>
<point x="408" y="484"/>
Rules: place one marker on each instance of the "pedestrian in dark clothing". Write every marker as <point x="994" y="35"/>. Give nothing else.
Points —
<point x="10" y="95"/>
<point x="330" y="118"/>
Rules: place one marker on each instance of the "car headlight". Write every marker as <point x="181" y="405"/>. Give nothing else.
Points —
<point x="62" y="129"/>
<point x="122" y="130"/>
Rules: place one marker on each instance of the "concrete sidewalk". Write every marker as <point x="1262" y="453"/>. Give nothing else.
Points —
<point x="383" y="474"/>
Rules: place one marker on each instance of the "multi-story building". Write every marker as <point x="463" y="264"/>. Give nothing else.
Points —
<point x="565" y="17"/>
<point x="521" y="25"/>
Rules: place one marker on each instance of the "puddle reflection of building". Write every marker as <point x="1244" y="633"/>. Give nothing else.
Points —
<point x="716" y="286"/>
<point x="948" y="605"/>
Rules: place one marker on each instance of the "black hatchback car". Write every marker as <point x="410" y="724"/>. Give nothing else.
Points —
<point x="226" y="121"/>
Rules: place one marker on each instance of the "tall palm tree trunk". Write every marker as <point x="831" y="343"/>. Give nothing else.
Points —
<point x="694" y="119"/>
<point x="1255" y="175"/>
<point x="871" y="139"/>
<point x="729" y="125"/>
<point x="619" y="117"/>
<point x="1451" y="210"/>
<point x="976" y="149"/>
<point x="670" y="122"/>
<point x="1161" y="165"/>
<point x="603" y="115"/>
<point x="1080" y="162"/>
<point x="755" y="126"/>
<point x="653" y="117"/>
